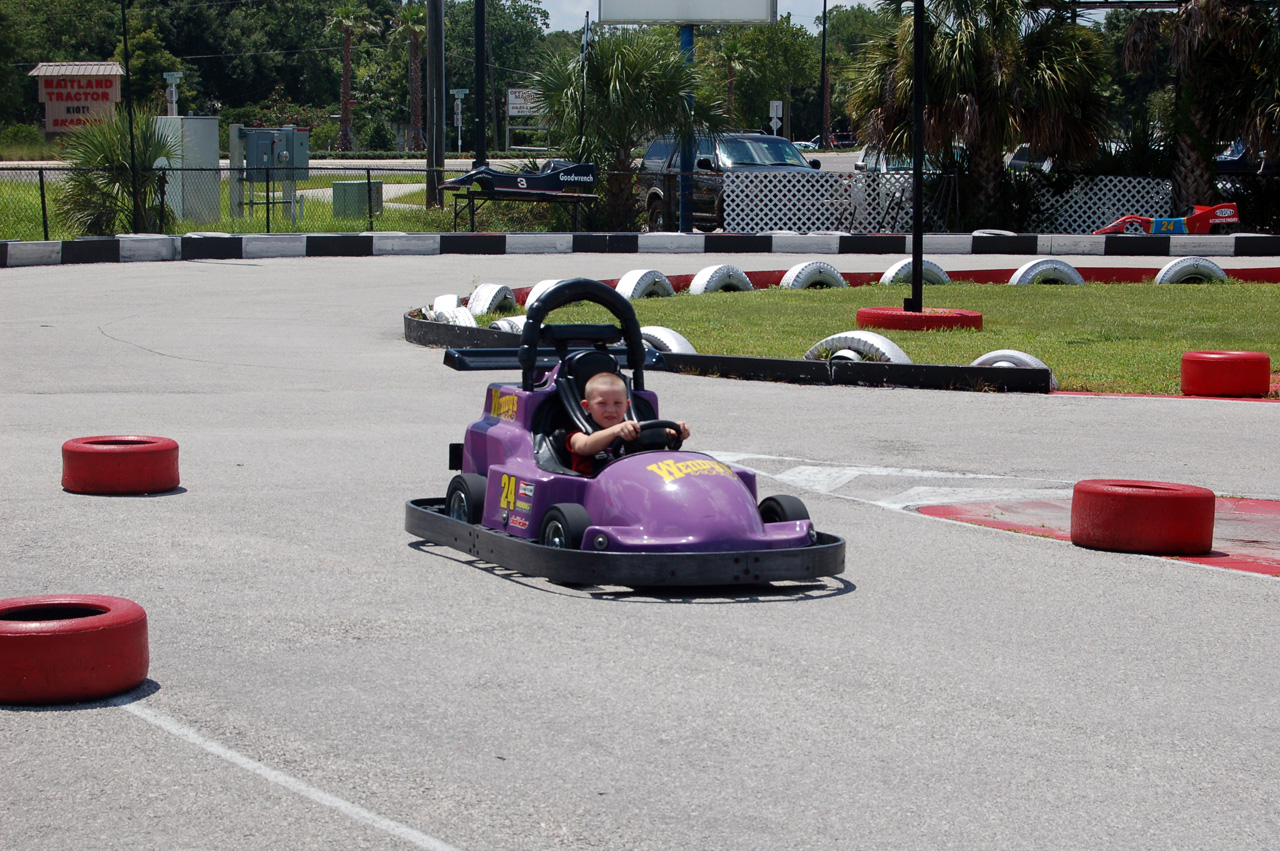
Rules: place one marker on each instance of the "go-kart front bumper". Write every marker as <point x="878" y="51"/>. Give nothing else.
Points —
<point x="427" y="519"/>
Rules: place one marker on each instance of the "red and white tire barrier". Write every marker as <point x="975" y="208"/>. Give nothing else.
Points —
<point x="666" y="340"/>
<point x="816" y="273"/>
<point x="1015" y="358"/>
<point x="722" y="278"/>
<point x="865" y="345"/>
<point x="120" y="465"/>
<point x="1226" y="374"/>
<point x="1190" y="270"/>
<point x="69" y="648"/>
<point x="1046" y="270"/>
<point x="644" y="283"/>
<point x="1155" y="518"/>
<point x="900" y="273"/>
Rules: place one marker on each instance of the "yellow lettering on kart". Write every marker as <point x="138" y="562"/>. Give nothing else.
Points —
<point x="671" y="470"/>
<point x="508" y="498"/>
<point x="503" y="407"/>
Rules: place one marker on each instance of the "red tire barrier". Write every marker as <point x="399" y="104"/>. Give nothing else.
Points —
<point x="1226" y="374"/>
<point x="120" y="464"/>
<point x="70" y="647"/>
<point x="930" y="319"/>
<point x="1156" y="518"/>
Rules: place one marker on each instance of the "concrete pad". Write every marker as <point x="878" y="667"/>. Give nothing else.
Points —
<point x="539" y="243"/>
<point x="406" y="243"/>
<point x="35" y="253"/>
<point x="806" y="243"/>
<point x="262" y="246"/>
<point x="149" y="247"/>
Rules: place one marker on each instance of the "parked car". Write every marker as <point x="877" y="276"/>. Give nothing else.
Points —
<point x="658" y="182"/>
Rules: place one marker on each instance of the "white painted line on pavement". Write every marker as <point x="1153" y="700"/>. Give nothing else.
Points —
<point x="293" y="784"/>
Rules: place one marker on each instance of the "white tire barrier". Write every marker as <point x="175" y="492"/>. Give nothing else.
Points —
<point x="1015" y="358"/>
<point x="1046" y="270"/>
<point x="993" y="232"/>
<point x="723" y="278"/>
<point x="817" y="273"/>
<point x="444" y="302"/>
<point x="900" y="272"/>
<point x="511" y="324"/>
<point x="666" y="340"/>
<point x="537" y="290"/>
<point x="1190" y="270"/>
<point x="492" y="298"/>
<point x="644" y="283"/>
<point x="456" y="316"/>
<point x="868" y="345"/>
<point x="847" y="354"/>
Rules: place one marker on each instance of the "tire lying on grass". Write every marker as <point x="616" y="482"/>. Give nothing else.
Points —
<point x="816" y="273"/>
<point x="666" y="340"/>
<point x="644" y="283"/>
<point x="867" y="344"/>
<point x="1190" y="270"/>
<point x="510" y="324"/>
<point x="67" y="648"/>
<point x="492" y="298"/>
<point x="900" y="272"/>
<point x="722" y="278"/>
<point x="1015" y="358"/>
<point x="457" y="316"/>
<point x="1047" y="270"/>
<point x="536" y="291"/>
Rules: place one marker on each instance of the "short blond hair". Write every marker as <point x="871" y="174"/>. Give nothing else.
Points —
<point x="599" y="380"/>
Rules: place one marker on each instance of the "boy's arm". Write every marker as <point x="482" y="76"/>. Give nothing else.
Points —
<point x="590" y="444"/>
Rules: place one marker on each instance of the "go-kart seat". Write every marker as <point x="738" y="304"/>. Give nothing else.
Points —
<point x="575" y="371"/>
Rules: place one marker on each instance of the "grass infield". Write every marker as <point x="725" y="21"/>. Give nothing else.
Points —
<point x="1102" y="338"/>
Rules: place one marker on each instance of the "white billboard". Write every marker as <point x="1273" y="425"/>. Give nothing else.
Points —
<point x="520" y="102"/>
<point x="688" y="11"/>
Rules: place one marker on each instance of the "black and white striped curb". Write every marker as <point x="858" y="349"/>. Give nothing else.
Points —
<point x="159" y="247"/>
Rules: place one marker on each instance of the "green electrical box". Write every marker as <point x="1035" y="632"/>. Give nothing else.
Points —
<point x="351" y="198"/>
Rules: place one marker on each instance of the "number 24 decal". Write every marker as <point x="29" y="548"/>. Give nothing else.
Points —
<point x="508" y="499"/>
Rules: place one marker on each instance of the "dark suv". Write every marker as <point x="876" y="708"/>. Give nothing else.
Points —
<point x="658" y="183"/>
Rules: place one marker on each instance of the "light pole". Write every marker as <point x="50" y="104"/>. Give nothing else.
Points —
<point x="825" y="131"/>
<point x="128" y="104"/>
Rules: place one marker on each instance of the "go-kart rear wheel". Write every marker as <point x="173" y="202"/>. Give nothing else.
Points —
<point x="564" y="526"/>
<point x="783" y="507"/>
<point x="465" y="497"/>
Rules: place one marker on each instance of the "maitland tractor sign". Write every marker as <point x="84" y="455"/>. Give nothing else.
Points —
<point x="75" y="93"/>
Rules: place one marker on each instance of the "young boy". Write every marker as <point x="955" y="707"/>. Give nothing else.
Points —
<point x="606" y="404"/>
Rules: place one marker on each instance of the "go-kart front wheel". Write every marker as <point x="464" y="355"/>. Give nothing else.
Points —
<point x="465" y="497"/>
<point x="783" y="507"/>
<point x="564" y="526"/>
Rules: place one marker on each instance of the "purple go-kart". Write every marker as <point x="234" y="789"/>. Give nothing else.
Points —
<point x="655" y="516"/>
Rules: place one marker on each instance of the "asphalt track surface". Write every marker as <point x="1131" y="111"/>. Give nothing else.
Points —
<point x="320" y="680"/>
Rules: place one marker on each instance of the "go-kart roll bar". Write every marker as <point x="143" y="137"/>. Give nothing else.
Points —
<point x="568" y="292"/>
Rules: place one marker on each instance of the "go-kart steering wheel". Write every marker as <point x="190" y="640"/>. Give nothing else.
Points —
<point x="654" y="434"/>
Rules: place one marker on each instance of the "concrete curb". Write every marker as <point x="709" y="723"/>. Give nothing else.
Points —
<point x="159" y="247"/>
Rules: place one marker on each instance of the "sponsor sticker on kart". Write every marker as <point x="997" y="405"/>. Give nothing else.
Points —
<point x="503" y="406"/>
<point x="518" y="522"/>
<point x="670" y="470"/>
<point x="526" y="489"/>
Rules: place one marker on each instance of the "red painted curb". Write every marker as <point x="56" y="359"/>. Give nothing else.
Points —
<point x="1155" y="518"/>
<point x="119" y="465"/>
<point x="930" y="319"/>
<point x="70" y="647"/>
<point x="1226" y="374"/>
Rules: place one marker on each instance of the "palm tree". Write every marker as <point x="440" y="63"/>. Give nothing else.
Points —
<point x="348" y="18"/>
<point x="1214" y="54"/>
<point x="635" y="85"/>
<point x="412" y="21"/>
<point x="1001" y="72"/>
<point x="730" y="57"/>
<point x="97" y="197"/>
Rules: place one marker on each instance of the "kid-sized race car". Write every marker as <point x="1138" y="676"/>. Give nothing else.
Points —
<point x="1203" y="220"/>
<point x="655" y="516"/>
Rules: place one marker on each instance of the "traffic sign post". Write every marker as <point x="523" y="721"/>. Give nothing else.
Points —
<point x="457" y="112"/>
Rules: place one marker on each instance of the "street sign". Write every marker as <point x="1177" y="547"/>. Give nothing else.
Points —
<point x="775" y="123"/>
<point x="688" y="12"/>
<point x="172" y="76"/>
<point x="458" y="92"/>
<point x="775" y="109"/>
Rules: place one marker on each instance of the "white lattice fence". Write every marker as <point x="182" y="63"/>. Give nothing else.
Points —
<point x="865" y="202"/>
<point x="1097" y="201"/>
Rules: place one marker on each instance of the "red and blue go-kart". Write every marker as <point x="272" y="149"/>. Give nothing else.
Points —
<point x="1202" y="220"/>
<point x="655" y="516"/>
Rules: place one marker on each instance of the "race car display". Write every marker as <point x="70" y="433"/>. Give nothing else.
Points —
<point x="1202" y="220"/>
<point x="553" y="176"/>
<point x="655" y="516"/>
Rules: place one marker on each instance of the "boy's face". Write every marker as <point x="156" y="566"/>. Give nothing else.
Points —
<point x="606" y="404"/>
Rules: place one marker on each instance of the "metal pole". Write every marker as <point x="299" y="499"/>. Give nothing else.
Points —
<point x="368" y="186"/>
<point x="273" y="156"/>
<point x="582" y="60"/>
<point x="44" y="208"/>
<point x="128" y="101"/>
<point x="915" y="304"/>
<point x="481" y="141"/>
<point x="686" y="146"/>
<point x="825" y="130"/>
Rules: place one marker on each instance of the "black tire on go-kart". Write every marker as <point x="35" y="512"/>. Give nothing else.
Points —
<point x="465" y="498"/>
<point x="783" y="507"/>
<point x="564" y="526"/>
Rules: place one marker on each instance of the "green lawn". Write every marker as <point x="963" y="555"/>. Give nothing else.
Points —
<point x="1108" y="338"/>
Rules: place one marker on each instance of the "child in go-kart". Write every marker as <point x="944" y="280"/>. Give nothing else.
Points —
<point x="605" y="401"/>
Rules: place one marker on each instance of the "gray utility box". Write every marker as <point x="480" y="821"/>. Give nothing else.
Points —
<point x="351" y="198"/>
<point x="193" y="186"/>
<point x="286" y="151"/>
